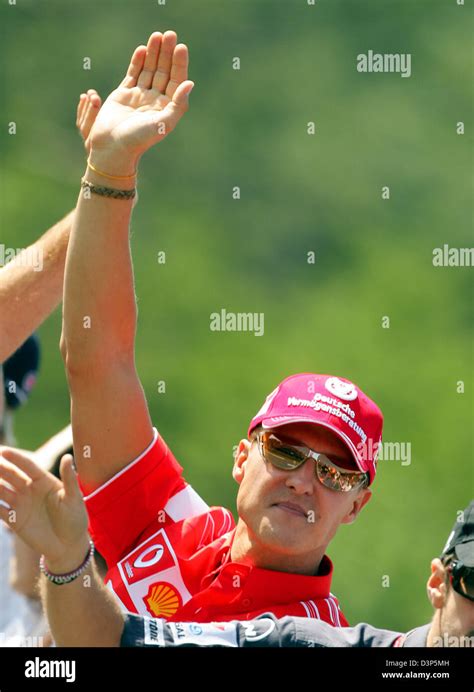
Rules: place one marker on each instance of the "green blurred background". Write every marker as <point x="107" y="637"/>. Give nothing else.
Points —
<point x="299" y="193"/>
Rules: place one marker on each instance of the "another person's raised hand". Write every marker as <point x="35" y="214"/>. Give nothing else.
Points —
<point x="87" y="110"/>
<point x="49" y="515"/>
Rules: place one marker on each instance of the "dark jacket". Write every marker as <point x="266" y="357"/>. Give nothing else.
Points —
<point x="266" y="630"/>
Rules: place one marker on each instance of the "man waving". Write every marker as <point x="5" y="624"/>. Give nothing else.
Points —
<point x="302" y="471"/>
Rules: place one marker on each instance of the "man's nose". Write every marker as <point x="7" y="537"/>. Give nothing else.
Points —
<point x="302" y="479"/>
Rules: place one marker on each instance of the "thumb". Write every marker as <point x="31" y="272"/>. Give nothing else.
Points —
<point x="69" y="477"/>
<point x="177" y="107"/>
<point x="181" y="95"/>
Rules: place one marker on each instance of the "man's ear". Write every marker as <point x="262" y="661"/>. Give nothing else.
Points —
<point x="360" y="501"/>
<point x="436" y="585"/>
<point x="241" y="456"/>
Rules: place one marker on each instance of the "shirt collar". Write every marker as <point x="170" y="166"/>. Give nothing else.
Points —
<point x="274" y="586"/>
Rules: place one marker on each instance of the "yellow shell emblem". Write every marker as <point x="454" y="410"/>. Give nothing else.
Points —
<point x="162" y="600"/>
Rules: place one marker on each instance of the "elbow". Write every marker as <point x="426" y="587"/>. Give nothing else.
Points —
<point x="87" y="360"/>
<point x="91" y="365"/>
<point x="71" y="366"/>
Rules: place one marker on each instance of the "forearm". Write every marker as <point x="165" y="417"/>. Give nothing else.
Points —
<point x="109" y="413"/>
<point x="84" y="612"/>
<point x="28" y="293"/>
<point x="99" y="300"/>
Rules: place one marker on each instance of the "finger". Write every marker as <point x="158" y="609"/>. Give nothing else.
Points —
<point x="96" y="100"/>
<point x="94" y="97"/>
<point x="179" y="69"/>
<point x="162" y="74"/>
<point x="23" y="462"/>
<point x="84" y="112"/>
<point x="84" y="116"/>
<point x="89" y="119"/>
<point x="80" y="108"/>
<point x="8" y="496"/>
<point x="13" y="475"/>
<point x="69" y="477"/>
<point x="135" y="67"/>
<point x="151" y="60"/>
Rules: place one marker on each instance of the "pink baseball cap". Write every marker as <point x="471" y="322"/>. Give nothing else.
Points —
<point x="332" y="402"/>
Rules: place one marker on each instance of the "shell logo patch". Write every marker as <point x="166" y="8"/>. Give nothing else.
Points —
<point x="343" y="390"/>
<point x="162" y="600"/>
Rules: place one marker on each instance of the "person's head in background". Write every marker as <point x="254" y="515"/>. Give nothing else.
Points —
<point x="451" y="586"/>
<point x="17" y="378"/>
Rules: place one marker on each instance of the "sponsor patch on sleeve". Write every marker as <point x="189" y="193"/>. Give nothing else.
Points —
<point x="205" y="634"/>
<point x="153" y="635"/>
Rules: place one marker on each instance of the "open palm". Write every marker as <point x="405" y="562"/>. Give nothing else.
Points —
<point x="149" y="102"/>
<point x="49" y="515"/>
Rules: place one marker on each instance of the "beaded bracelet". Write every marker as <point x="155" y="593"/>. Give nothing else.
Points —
<point x="60" y="579"/>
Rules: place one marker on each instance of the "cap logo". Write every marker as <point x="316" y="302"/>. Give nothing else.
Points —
<point x="343" y="390"/>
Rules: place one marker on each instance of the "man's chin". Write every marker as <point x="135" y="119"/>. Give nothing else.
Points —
<point x="282" y="537"/>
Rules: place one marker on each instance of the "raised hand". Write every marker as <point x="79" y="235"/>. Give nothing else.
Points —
<point x="87" y="110"/>
<point x="147" y="105"/>
<point x="49" y="515"/>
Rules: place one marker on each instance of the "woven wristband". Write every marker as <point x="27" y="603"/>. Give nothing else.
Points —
<point x="107" y="191"/>
<point x="60" y="579"/>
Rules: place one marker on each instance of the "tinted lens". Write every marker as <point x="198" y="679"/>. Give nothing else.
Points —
<point x="282" y="454"/>
<point x="288" y="456"/>
<point x="337" y="479"/>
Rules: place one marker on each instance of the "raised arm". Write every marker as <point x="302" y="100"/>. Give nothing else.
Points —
<point x="109" y="413"/>
<point x="31" y="290"/>
<point x="50" y="517"/>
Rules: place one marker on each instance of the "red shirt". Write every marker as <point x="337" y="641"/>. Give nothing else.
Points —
<point x="168" y="553"/>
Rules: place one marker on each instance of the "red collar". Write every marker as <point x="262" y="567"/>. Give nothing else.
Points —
<point x="271" y="585"/>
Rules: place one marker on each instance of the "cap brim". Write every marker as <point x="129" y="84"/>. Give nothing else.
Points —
<point x="284" y="420"/>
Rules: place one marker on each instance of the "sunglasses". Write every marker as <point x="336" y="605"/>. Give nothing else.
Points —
<point x="288" y="455"/>
<point x="461" y="578"/>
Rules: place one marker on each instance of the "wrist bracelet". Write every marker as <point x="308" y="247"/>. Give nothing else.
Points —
<point x="60" y="579"/>
<point x="107" y="175"/>
<point x="107" y="191"/>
